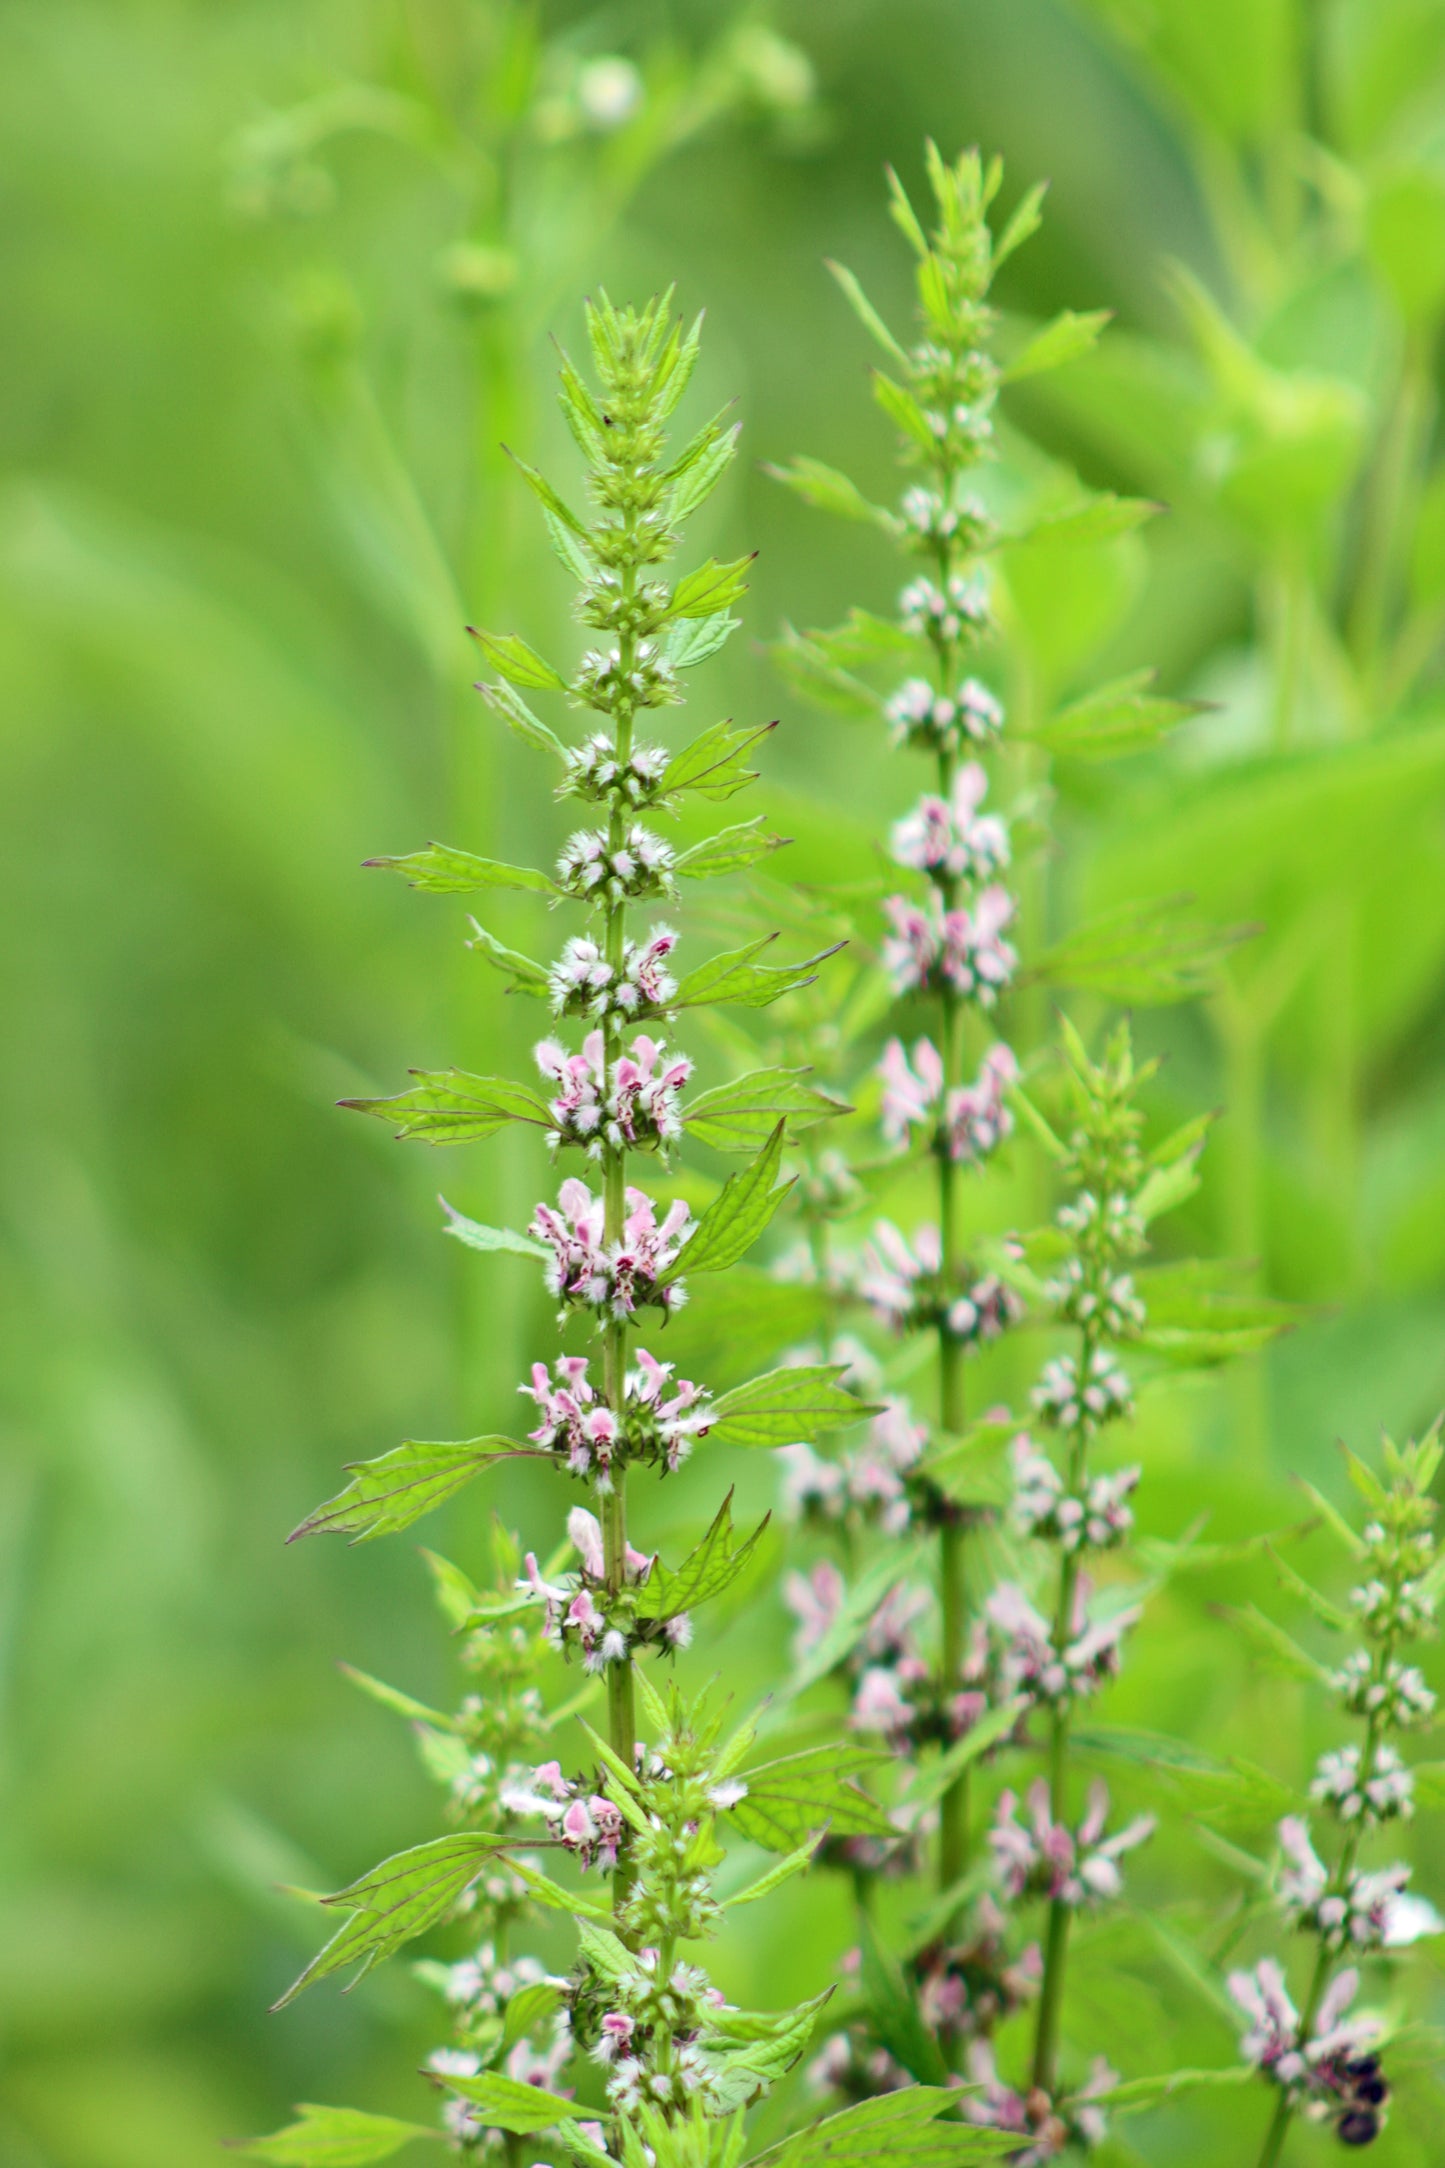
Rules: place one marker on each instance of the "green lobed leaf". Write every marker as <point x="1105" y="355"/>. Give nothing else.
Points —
<point x="518" y="663"/>
<point x="901" y="407"/>
<point x="478" y="1237"/>
<point x="785" y="1407"/>
<point x="391" y="1697"/>
<point x="710" y="589"/>
<point x="1116" y="719"/>
<point x="1196" y="1316"/>
<point x="805" y="664"/>
<point x="1071" y="333"/>
<point x="736" y="1217"/>
<point x="515" y="712"/>
<point x="900" y="2127"/>
<point x="787" y="1799"/>
<point x="334" y="2138"/>
<point x="697" y="638"/>
<point x="738" y="1115"/>
<point x="543" y="490"/>
<point x="706" y="1571"/>
<point x="1277" y="1649"/>
<point x="729" y="850"/>
<point x="712" y="765"/>
<point x="389" y="1493"/>
<point x="783" y="1871"/>
<point x="509" y="2104"/>
<point x="556" y="1898"/>
<point x="526" y="977"/>
<point x="1099" y="518"/>
<point x="398" y="1901"/>
<point x="1023" y="225"/>
<point x="864" y="310"/>
<point x="698" y="445"/>
<point x="1137" y="2093"/>
<point x="1232" y="1791"/>
<point x="972" y="1469"/>
<point x="1146" y="953"/>
<point x="828" y="491"/>
<point x="446" y="1106"/>
<point x="445" y="872"/>
<point x="734" y="977"/>
<point x="893" y="2009"/>
<point x="698" y="480"/>
<point x="529" y="2007"/>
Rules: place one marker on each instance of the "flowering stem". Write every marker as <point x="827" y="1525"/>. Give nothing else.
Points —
<point x="1051" y="1994"/>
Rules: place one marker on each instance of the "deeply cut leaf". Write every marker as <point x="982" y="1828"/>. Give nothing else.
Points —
<point x="334" y="2138"/>
<point x="446" y="1106"/>
<point x="697" y="638"/>
<point x="524" y="976"/>
<point x="515" y="712"/>
<point x="398" y="1901"/>
<point x="478" y="1237"/>
<point x="734" y="977"/>
<point x="828" y="491"/>
<point x="710" y="589"/>
<point x="737" y="1116"/>
<point x="786" y="1800"/>
<point x="1071" y="333"/>
<point x="389" y="1493"/>
<point x="509" y="2104"/>
<point x="729" y="850"/>
<point x="518" y="663"/>
<point x="736" y="1217"/>
<point x="1119" y="718"/>
<point x="785" y="1407"/>
<point x="445" y="872"/>
<point x="713" y="765"/>
<point x="713" y="1566"/>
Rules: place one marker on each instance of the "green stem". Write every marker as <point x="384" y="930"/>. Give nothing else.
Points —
<point x="1056" y="1948"/>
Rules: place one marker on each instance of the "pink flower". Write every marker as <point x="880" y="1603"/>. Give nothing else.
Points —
<point x="965" y="950"/>
<point x="1044" y="1858"/>
<point x="949" y="838"/>
<point x="815" y="1599"/>
<point x="612" y="1278"/>
<point x="975" y="1117"/>
<point x="583" y="981"/>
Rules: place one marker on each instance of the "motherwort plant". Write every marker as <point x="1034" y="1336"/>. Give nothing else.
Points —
<point x="631" y="2054"/>
<point x="943" y="1669"/>
<point x="1322" y="2059"/>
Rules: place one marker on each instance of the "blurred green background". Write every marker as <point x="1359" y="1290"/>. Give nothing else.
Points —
<point x="277" y="277"/>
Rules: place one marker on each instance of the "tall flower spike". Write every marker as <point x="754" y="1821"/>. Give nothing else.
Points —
<point x="648" y="1812"/>
<point x="1322" y="2059"/>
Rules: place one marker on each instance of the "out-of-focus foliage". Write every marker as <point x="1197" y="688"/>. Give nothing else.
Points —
<point x="278" y="277"/>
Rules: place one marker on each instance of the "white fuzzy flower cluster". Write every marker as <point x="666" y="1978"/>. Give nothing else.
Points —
<point x="612" y="1278"/>
<point x="1322" y="2066"/>
<point x="930" y="948"/>
<point x="1069" y="1400"/>
<point x="975" y="1117"/>
<point x="1044" y="2127"/>
<point x="1389" y="1607"/>
<point x="582" y="1614"/>
<point x="483" y="1984"/>
<point x="1381" y="1790"/>
<point x="947" y="614"/>
<point x="583" y="982"/>
<point x="865" y="1484"/>
<point x="1083" y="1294"/>
<point x="659" y="1423"/>
<point x="638" y="867"/>
<point x="1103" y="1224"/>
<point x="920" y="715"/>
<point x="1098" y="1519"/>
<point x="649" y="2040"/>
<point x="595" y="770"/>
<point x="1025" y="1660"/>
<point x="636" y="1108"/>
<point x="931" y="521"/>
<point x="1395" y="1693"/>
<point x="1370" y="1911"/>
<point x="607" y="680"/>
<point x="900" y="1282"/>
<point x="587" y="1824"/>
<point x="1039" y="1857"/>
<point x="948" y="838"/>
